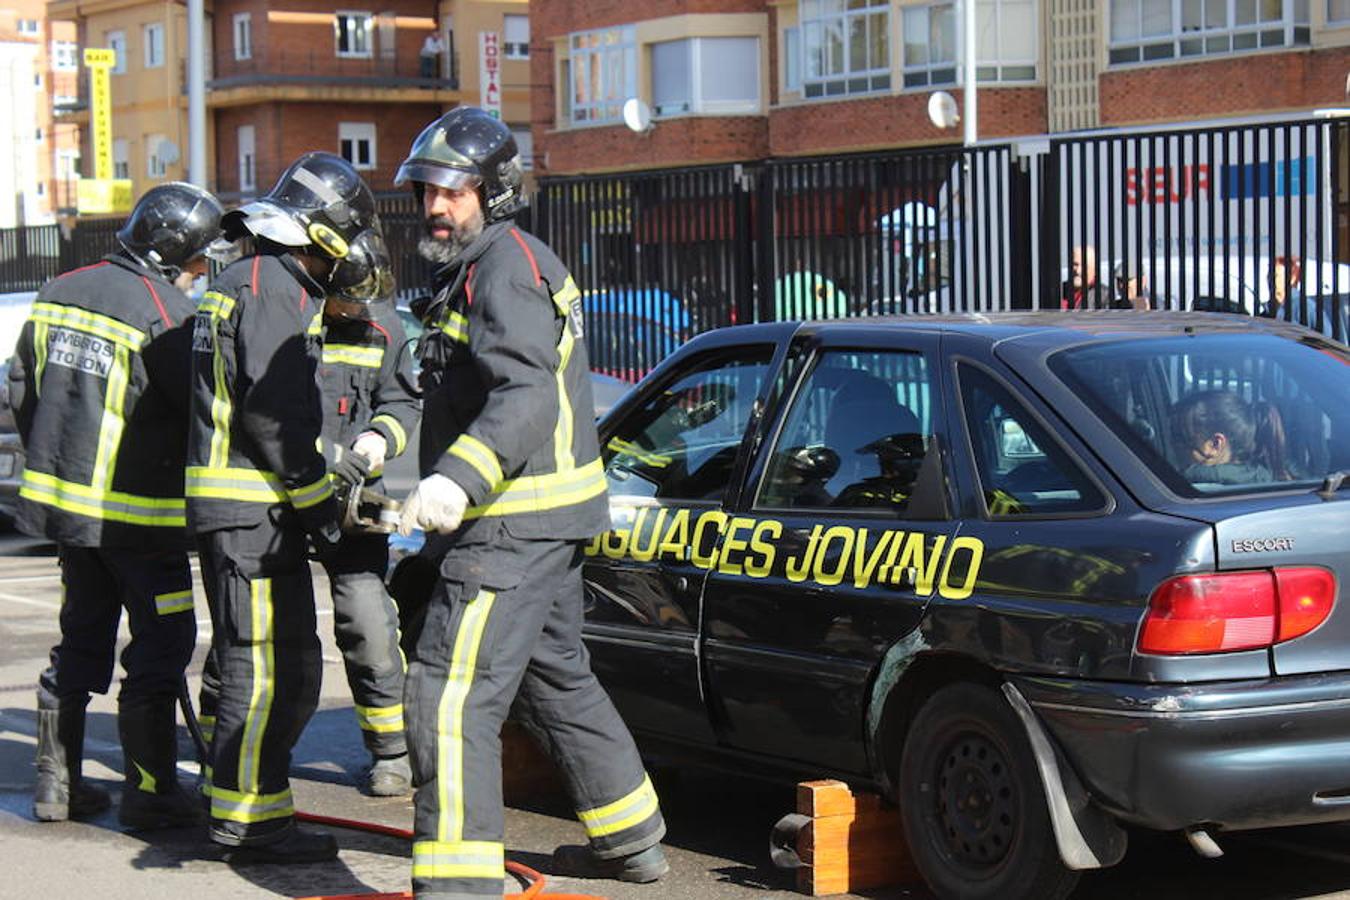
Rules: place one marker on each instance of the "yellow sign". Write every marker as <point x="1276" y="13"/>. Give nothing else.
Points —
<point x="99" y="61"/>
<point x="103" y="195"/>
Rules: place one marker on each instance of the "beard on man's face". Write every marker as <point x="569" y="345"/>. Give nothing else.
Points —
<point x="447" y="250"/>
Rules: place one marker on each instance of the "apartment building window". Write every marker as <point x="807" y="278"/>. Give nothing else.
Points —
<point x="1149" y="30"/>
<point x="29" y="26"/>
<point x="117" y="43"/>
<point x="1005" y="32"/>
<point x="525" y="144"/>
<point x="845" y="51"/>
<point x="65" y="56"/>
<point x="1338" y="11"/>
<point x="121" y="158"/>
<point x="243" y="36"/>
<point x="516" y="36"/>
<point x="355" y="33"/>
<point x="930" y="45"/>
<point x="155" y="166"/>
<point x="154" y="45"/>
<point x="602" y="74"/>
<point x="792" y="58"/>
<point x="718" y="75"/>
<point x="356" y="143"/>
<point x="248" y="152"/>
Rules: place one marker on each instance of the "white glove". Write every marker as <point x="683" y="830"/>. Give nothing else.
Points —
<point x="436" y="504"/>
<point x="373" y="446"/>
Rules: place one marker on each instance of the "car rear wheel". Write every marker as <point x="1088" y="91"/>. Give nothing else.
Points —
<point x="972" y="804"/>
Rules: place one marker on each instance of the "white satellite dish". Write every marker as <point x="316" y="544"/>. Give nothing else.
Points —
<point x="169" y="152"/>
<point x="637" y="115"/>
<point x="942" y="109"/>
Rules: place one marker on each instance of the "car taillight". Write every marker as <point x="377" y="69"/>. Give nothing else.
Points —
<point x="1227" y="611"/>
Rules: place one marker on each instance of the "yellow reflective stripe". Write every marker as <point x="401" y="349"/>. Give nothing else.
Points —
<point x="264" y="686"/>
<point x="40" y="355"/>
<point x="450" y="717"/>
<point x="110" y="506"/>
<point x="114" y="423"/>
<point x="655" y="460"/>
<point x="539" y="493"/>
<point x="623" y="813"/>
<point x="562" y="432"/>
<point x="480" y="456"/>
<point x="564" y="297"/>
<point x="353" y="355"/>
<point x="396" y="429"/>
<point x="455" y="326"/>
<point x="173" y="602"/>
<point x="148" y="781"/>
<point x="380" y="719"/>
<point x="221" y="402"/>
<point x="217" y="304"/>
<point x="311" y="494"/>
<point x="208" y="726"/>
<point x="91" y="322"/>
<point x="316" y="324"/>
<point x="459" y="859"/>
<point x="250" y="806"/>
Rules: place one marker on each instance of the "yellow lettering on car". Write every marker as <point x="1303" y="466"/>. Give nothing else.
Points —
<point x="647" y="553"/>
<point x="732" y="545"/>
<point x="718" y="520"/>
<point x="676" y="538"/>
<point x="798" y="571"/>
<point x="831" y="577"/>
<point x="759" y="543"/>
<point x="975" y="547"/>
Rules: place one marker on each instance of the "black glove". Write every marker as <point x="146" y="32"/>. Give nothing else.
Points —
<point x="325" y="540"/>
<point x="353" y="468"/>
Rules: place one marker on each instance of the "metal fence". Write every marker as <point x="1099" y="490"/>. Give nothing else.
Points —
<point x="1228" y="219"/>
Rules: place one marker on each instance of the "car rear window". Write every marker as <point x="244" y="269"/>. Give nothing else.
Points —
<point x="1220" y="414"/>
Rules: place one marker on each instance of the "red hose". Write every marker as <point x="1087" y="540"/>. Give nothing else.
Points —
<point x="535" y="882"/>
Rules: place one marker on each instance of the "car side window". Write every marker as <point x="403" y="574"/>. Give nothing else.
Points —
<point x="681" y="443"/>
<point x="856" y="435"/>
<point x="1023" y="471"/>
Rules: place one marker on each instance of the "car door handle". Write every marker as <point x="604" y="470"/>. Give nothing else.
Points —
<point x="682" y="584"/>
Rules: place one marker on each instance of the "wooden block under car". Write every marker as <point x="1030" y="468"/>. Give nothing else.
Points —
<point x="854" y="842"/>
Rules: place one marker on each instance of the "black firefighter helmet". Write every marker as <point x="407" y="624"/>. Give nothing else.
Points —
<point x="468" y="147"/>
<point x="171" y="225"/>
<point x="321" y="202"/>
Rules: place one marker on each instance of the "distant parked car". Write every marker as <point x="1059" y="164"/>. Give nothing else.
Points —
<point x="630" y="330"/>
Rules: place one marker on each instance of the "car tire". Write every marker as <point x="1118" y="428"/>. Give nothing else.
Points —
<point x="972" y="803"/>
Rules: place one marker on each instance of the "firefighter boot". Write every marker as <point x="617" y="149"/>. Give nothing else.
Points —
<point x="151" y="795"/>
<point x="61" y="793"/>
<point x="297" y="845"/>
<point x="390" y="776"/>
<point x="641" y="867"/>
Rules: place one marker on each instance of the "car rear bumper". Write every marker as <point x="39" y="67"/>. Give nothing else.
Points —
<point x="1236" y="755"/>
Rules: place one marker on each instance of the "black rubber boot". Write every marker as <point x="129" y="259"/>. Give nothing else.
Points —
<point x="641" y="867"/>
<point x="298" y="845"/>
<point x="61" y="793"/>
<point x="151" y="795"/>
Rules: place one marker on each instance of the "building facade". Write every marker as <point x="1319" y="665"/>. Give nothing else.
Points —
<point x="748" y="79"/>
<point x="37" y="156"/>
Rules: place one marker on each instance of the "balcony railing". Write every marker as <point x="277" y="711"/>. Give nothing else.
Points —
<point x="320" y="65"/>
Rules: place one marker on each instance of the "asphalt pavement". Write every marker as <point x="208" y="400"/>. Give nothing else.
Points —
<point x="718" y="826"/>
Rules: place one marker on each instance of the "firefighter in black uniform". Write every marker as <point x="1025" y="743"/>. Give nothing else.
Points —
<point x="257" y="486"/>
<point x="370" y="410"/>
<point x="512" y="469"/>
<point x="99" y="388"/>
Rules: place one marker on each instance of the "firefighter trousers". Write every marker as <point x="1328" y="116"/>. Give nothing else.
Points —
<point x="504" y="625"/>
<point x="265" y="668"/>
<point x="155" y="588"/>
<point x="365" y="623"/>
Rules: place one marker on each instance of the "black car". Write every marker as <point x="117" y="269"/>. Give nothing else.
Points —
<point x="1033" y="576"/>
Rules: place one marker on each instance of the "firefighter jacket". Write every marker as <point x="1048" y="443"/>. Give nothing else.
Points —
<point x="507" y="408"/>
<point x="99" y="391"/>
<point x="367" y="383"/>
<point x="256" y="413"/>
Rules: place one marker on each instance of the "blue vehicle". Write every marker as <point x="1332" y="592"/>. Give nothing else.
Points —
<point x="630" y="330"/>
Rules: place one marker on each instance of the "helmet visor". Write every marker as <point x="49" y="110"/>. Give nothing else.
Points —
<point x="437" y="174"/>
<point x="267" y="220"/>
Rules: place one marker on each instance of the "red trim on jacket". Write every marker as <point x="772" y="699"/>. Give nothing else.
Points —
<point x="534" y="266"/>
<point x="468" y="285"/>
<point x="388" y="339"/>
<point x="154" y="295"/>
<point x="85" y="268"/>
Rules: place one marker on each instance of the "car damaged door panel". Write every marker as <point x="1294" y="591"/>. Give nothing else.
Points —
<point x="669" y="463"/>
<point x="831" y="556"/>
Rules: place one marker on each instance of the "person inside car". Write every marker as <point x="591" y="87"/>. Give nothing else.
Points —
<point x="1229" y="441"/>
<point x="899" y="457"/>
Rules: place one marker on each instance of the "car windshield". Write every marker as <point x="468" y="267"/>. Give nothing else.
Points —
<point x="1221" y="414"/>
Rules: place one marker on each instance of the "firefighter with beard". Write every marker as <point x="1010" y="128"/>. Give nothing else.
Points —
<point x="513" y="477"/>
<point x="258" y="489"/>
<point x="370" y="408"/>
<point x="99" y="389"/>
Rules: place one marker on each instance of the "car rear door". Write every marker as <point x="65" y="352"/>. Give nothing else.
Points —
<point x="827" y="560"/>
<point x="670" y="457"/>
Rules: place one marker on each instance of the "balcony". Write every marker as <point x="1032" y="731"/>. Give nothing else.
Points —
<point x="318" y="73"/>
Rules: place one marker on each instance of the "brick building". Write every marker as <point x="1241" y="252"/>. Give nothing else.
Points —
<point x="748" y="79"/>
